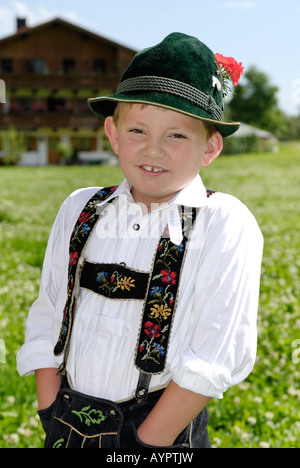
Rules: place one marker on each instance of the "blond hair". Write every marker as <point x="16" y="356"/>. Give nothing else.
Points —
<point x="209" y="128"/>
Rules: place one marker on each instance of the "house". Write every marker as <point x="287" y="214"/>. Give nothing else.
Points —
<point x="249" y="139"/>
<point x="267" y="139"/>
<point x="47" y="73"/>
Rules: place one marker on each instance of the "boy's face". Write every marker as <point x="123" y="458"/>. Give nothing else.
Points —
<point x="160" y="151"/>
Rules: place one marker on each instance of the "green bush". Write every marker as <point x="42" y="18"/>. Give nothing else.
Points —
<point x="242" y="145"/>
<point x="14" y="146"/>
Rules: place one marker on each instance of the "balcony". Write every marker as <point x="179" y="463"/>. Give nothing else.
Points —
<point x="34" y="120"/>
<point x="55" y="83"/>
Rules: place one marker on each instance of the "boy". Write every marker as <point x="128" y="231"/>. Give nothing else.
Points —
<point x="163" y="276"/>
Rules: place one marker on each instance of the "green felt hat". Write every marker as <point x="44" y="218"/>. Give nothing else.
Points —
<point x="181" y="74"/>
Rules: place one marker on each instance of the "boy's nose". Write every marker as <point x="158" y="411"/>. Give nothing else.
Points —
<point x="154" y="148"/>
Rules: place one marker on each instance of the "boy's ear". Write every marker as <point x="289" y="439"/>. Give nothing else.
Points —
<point x="214" y="148"/>
<point x="111" y="132"/>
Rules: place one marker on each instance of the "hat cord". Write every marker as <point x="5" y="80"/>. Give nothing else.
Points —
<point x="170" y="86"/>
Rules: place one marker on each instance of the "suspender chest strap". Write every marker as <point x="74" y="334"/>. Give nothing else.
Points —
<point x="82" y="230"/>
<point x="161" y="298"/>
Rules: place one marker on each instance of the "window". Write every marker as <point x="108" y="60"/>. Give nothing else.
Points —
<point x="53" y="144"/>
<point x="38" y="66"/>
<point x="84" y="144"/>
<point x="56" y="105"/>
<point x="7" y="65"/>
<point x="23" y="105"/>
<point x="68" y="66"/>
<point x="100" y="66"/>
<point x="82" y="106"/>
<point x="30" y="143"/>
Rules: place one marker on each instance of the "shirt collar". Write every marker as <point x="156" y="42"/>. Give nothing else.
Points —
<point x="193" y="195"/>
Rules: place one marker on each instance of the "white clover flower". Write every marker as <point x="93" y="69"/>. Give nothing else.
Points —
<point x="251" y="420"/>
<point x="264" y="445"/>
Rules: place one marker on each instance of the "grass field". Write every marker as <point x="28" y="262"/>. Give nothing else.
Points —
<point x="262" y="411"/>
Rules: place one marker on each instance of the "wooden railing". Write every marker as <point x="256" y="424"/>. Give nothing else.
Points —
<point x="57" y="82"/>
<point x="33" y="121"/>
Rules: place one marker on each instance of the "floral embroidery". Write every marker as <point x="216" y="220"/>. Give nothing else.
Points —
<point x="82" y="229"/>
<point x="113" y="282"/>
<point x="155" y="290"/>
<point x="84" y="217"/>
<point x="101" y="276"/>
<point x="126" y="283"/>
<point x="168" y="277"/>
<point x="162" y="311"/>
<point x="160" y="349"/>
<point x="160" y="302"/>
<point x="152" y="330"/>
<point x="86" y="228"/>
<point x="73" y="258"/>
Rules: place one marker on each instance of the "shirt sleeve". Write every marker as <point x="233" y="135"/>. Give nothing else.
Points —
<point x="42" y="329"/>
<point x="222" y="349"/>
<point x="37" y="351"/>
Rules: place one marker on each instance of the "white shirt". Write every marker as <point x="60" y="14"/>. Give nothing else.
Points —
<point x="213" y="338"/>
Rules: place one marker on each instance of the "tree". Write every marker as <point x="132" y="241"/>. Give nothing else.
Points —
<point x="255" y="103"/>
<point x="14" y="146"/>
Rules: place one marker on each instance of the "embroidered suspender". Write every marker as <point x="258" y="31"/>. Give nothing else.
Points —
<point x="160" y="289"/>
<point x="82" y="230"/>
<point x="161" y="299"/>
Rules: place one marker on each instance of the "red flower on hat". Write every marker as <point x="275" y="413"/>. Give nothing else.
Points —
<point x="230" y="68"/>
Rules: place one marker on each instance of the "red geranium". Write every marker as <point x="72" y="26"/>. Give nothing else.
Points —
<point x="232" y="68"/>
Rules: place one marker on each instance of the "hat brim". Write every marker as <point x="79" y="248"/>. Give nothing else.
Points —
<point x="104" y="106"/>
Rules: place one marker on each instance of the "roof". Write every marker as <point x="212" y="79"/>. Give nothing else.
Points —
<point x="247" y="130"/>
<point x="58" y="21"/>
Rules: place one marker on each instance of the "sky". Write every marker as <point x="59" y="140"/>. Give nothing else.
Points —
<point x="264" y="33"/>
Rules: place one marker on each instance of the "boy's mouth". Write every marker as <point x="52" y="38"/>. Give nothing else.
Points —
<point x="152" y="169"/>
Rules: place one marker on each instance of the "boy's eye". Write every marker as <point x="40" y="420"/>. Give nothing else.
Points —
<point x="178" y="136"/>
<point x="136" y="130"/>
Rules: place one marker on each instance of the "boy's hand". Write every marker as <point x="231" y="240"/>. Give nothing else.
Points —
<point x="173" y="412"/>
